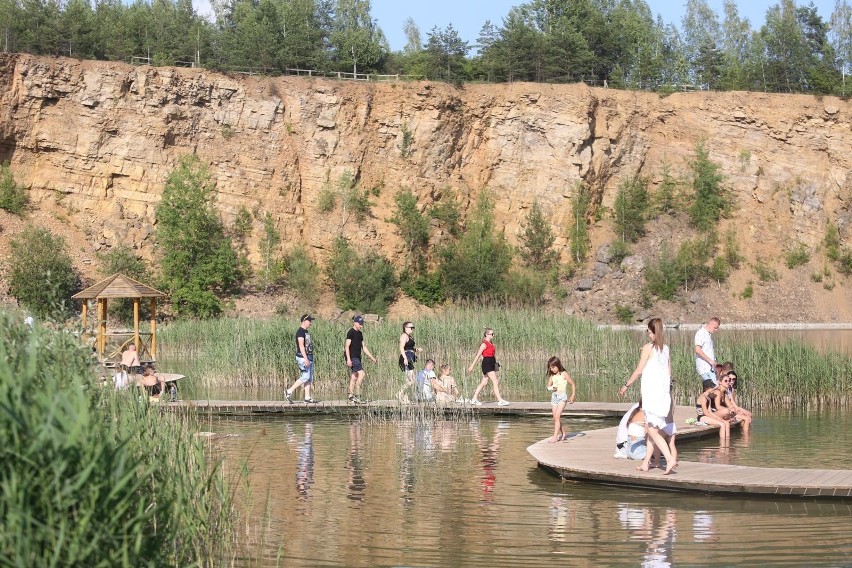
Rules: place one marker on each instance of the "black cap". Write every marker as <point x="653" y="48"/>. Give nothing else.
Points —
<point x="308" y="317"/>
<point x="358" y="319"/>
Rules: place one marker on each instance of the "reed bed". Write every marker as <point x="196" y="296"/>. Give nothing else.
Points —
<point x="91" y="477"/>
<point x="229" y="354"/>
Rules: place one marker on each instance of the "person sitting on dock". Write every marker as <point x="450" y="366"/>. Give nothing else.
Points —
<point x="445" y="387"/>
<point x="423" y="383"/>
<point x="711" y="412"/>
<point x="630" y="435"/>
<point x="130" y="360"/>
<point x="730" y="401"/>
<point x="152" y="384"/>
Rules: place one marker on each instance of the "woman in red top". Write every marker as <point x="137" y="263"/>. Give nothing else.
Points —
<point x="489" y="368"/>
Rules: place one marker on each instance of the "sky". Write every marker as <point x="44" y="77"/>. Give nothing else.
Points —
<point x="467" y="16"/>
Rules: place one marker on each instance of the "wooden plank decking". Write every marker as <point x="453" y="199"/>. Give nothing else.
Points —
<point x="590" y="458"/>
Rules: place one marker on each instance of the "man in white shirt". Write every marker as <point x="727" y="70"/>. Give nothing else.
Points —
<point x="705" y="357"/>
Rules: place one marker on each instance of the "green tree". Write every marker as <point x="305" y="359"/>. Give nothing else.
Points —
<point x="272" y="268"/>
<point x="413" y="228"/>
<point x="121" y="259"/>
<point x="301" y="273"/>
<point x="475" y="266"/>
<point x="702" y="31"/>
<point x="199" y="265"/>
<point x="710" y="201"/>
<point x="41" y="273"/>
<point x="631" y="208"/>
<point x="365" y="283"/>
<point x="13" y="197"/>
<point x="536" y="241"/>
<point x="356" y="37"/>
<point x="447" y="49"/>
<point x="578" y="230"/>
<point x="841" y="38"/>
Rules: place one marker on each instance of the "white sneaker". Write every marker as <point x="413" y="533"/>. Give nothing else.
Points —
<point x="476" y="402"/>
<point x="504" y="403"/>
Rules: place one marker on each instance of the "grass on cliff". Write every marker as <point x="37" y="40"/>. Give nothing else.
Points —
<point x="258" y="356"/>
<point x="91" y="477"/>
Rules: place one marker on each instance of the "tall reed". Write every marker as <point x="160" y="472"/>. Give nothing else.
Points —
<point x="259" y="355"/>
<point x="90" y="477"/>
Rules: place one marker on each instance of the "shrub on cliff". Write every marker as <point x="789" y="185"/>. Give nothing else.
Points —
<point x="42" y="276"/>
<point x="13" y="198"/>
<point x="198" y="262"/>
<point x="711" y="201"/>
<point x="364" y="283"/>
<point x="536" y="241"/>
<point x="301" y="272"/>
<point x="631" y="208"/>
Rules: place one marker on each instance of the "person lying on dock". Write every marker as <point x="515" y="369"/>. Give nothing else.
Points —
<point x="630" y="435"/>
<point x="711" y="412"/>
<point x="730" y="402"/>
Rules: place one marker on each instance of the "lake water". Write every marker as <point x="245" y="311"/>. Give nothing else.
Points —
<point x="374" y="492"/>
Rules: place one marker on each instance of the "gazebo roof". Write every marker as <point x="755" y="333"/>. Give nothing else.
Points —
<point x="118" y="286"/>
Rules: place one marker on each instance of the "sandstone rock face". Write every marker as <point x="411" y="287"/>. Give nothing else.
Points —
<point x="99" y="139"/>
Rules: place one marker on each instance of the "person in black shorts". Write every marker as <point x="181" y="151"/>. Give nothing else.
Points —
<point x="352" y="349"/>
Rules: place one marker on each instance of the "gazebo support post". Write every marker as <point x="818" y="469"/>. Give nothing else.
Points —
<point x="136" y="302"/>
<point x="154" y="328"/>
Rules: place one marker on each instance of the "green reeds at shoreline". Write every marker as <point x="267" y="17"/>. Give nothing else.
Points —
<point x="258" y="356"/>
<point x="92" y="477"/>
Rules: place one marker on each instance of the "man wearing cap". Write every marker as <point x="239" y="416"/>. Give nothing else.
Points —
<point x="352" y="349"/>
<point x="304" y="359"/>
<point x="705" y="356"/>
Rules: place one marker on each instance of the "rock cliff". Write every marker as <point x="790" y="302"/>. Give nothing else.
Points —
<point x="95" y="141"/>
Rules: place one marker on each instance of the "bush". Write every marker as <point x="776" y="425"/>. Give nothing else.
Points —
<point x="42" y="276"/>
<point x="413" y="228"/>
<point x="618" y="251"/>
<point x="764" y="272"/>
<point x="666" y="198"/>
<point x="446" y="210"/>
<point x="366" y="284"/>
<point x="832" y="242"/>
<point x="122" y="260"/>
<point x="199" y="265"/>
<point x="710" y="201"/>
<point x="797" y="256"/>
<point x="272" y="268"/>
<point x="748" y="291"/>
<point x="427" y="288"/>
<point x="13" y="198"/>
<point x="688" y="267"/>
<point x="624" y="314"/>
<point x="631" y="208"/>
<point x="524" y="287"/>
<point x="720" y="270"/>
<point x="301" y="273"/>
<point x="326" y="200"/>
<point x="474" y="267"/>
<point x="91" y="477"/>
<point x="536" y="241"/>
<point x="732" y="250"/>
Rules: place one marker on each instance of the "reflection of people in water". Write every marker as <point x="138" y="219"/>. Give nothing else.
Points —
<point x="490" y="450"/>
<point x="357" y="485"/>
<point x="305" y="471"/>
<point x="562" y="518"/>
<point x="654" y="526"/>
<point x="702" y="527"/>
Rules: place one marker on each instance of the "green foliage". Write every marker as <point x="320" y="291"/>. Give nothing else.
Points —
<point x="732" y="250"/>
<point x="405" y="143"/>
<point x="748" y="291"/>
<point x="745" y="159"/>
<point x="13" y="198"/>
<point x="271" y="268"/>
<point x="710" y="201"/>
<point x="326" y="200"/>
<point x="688" y="267"/>
<point x="302" y="274"/>
<point x="536" y="240"/>
<point x="413" y="228"/>
<point x="446" y="210"/>
<point x="364" y="283"/>
<point x="666" y="197"/>
<point x="578" y="230"/>
<point x="720" y="270"/>
<point x="354" y="201"/>
<point x="631" y="208"/>
<point x="92" y="477"/>
<point x="524" y="287"/>
<point x="624" y="314"/>
<point x="121" y="259"/>
<point x="240" y="233"/>
<point x="475" y="266"/>
<point x="764" y="272"/>
<point x="618" y="251"/>
<point x="41" y="273"/>
<point x="199" y="265"/>
<point x="798" y="255"/>
<point x="427" y="289"/>
<point x="835" y="251"/>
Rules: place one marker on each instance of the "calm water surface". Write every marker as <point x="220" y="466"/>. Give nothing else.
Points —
<point x="448" y="493"/>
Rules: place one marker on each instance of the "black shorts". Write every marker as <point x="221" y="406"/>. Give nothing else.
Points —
<point x="356" y="365"/>
<point x="407" y="364"/>
<point x="489" y="364"/>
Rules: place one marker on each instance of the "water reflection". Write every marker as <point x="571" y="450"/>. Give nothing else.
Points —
<point x="656" y="527"/>
<point x="355" y="464"/>
<point x="305" y="469"/>
<point x="490" y="448"/>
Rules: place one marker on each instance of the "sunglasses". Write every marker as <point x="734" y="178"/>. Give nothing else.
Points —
<point x="409" y="327"/>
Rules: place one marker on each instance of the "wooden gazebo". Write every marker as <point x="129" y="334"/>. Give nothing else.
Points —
<point x="115" y="287"/>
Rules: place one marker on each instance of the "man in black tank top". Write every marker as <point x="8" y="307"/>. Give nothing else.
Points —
<point x="352" y="349"/>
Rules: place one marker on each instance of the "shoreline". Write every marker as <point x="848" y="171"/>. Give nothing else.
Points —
<point x="739" y="326"/>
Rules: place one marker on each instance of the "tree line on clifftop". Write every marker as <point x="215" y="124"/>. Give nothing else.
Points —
<point x="448" y="255"/>
<point x="618" y="43"/>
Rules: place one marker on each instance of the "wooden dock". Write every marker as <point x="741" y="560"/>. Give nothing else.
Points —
<point x="590" y="458"/>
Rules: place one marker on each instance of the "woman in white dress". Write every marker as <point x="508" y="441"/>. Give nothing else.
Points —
<point x="656" y="371"/>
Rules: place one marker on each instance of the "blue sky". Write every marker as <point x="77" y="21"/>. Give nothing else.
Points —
<point x="467" y="16"/>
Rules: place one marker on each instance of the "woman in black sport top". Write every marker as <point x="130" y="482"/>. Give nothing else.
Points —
<point x="407" y="357"/>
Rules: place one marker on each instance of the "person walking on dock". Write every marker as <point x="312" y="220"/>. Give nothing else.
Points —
<point x="489" y="368"/>
<point x="655" y="368"/>
<point x="558" y="380"/>
<point x="705" y="355"/>
<point x="304" y="359"/>
<point x="352" y="349"/>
